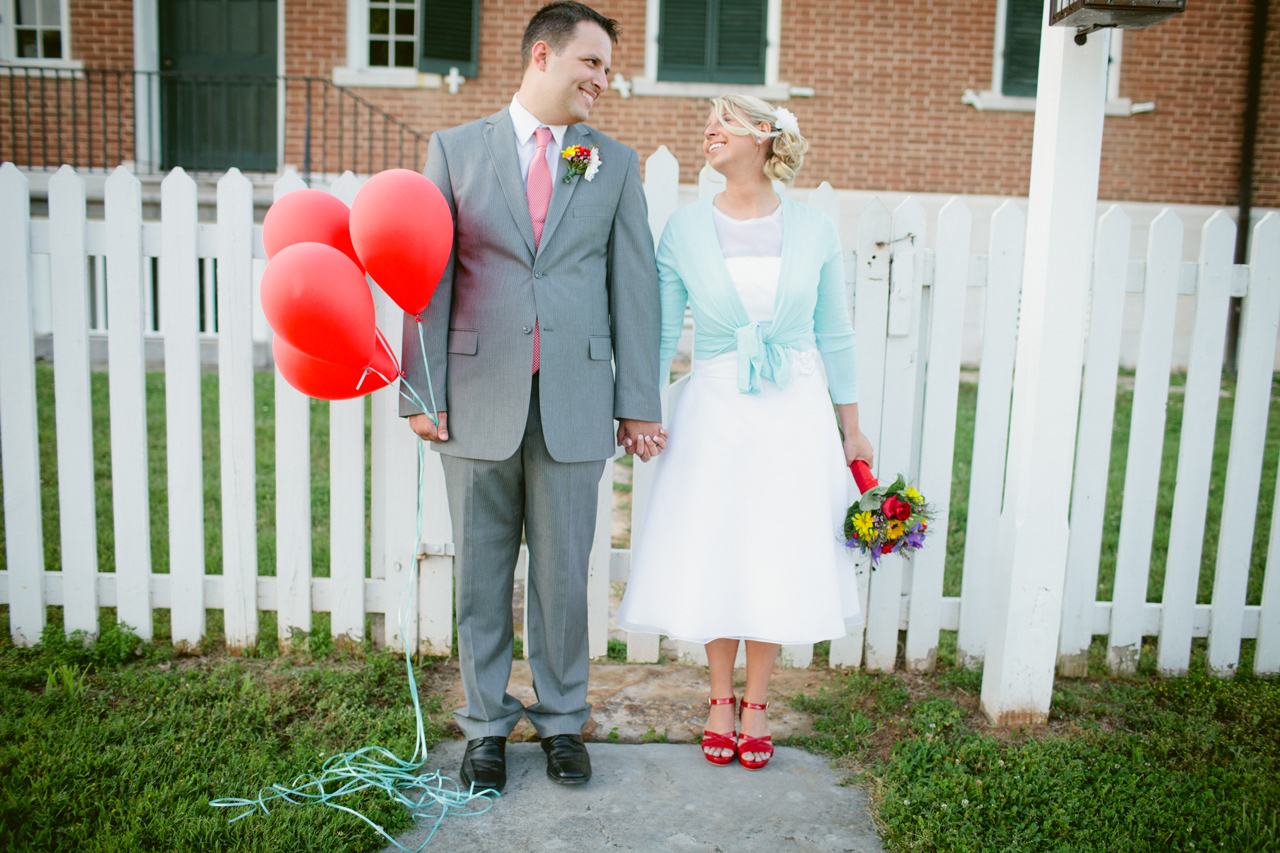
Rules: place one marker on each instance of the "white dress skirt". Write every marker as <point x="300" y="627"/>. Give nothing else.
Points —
<point x="742" y="534"/>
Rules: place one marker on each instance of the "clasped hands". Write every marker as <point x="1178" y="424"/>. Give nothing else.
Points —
<point x="645" y="439"/>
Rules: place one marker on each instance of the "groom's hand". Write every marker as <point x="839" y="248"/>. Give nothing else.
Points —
<point x="645" y="439"/>
<point x="422" y="425"/>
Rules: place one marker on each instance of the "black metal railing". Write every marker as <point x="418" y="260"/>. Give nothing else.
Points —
<point x="96" y="119"/>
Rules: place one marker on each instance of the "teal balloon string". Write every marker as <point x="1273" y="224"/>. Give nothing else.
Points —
<point x="429" y="797"/>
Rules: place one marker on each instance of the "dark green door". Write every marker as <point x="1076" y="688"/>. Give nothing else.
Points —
<point x="218" y="84"/>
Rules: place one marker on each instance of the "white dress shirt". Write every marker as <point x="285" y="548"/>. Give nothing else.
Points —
<point x="525" y="123"/>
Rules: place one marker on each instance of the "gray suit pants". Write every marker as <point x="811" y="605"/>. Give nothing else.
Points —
<point x="554" y="503"/>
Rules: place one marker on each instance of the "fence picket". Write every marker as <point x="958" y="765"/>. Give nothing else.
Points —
<point x="77" y="509"/>
<point x="129" y="487"/>
<point x="1093" y="441"/>
<point x="937" y="442"/>
<point x="991" y="427"/>
<point x="180" y="318"/>
<point x="236" y="411"/>
<point x="19" y="436"/>
<point x="894" y="452"/>
<point x="293" y="491"/>
<point x="396" y="499"/>
<point x="346" y="494"/>
<point x="1142" y="469"/>
<point x="1195" y="450"/>
<point x="870" y="318"/>
<point x="1259" y="320"/>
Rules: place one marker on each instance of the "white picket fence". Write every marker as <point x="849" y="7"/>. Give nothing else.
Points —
<point x="908" y="310"/>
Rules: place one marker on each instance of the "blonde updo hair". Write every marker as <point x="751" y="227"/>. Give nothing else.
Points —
<point x="786" y="148"/>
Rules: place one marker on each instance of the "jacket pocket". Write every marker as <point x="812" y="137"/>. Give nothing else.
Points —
<point x="463" y="341"/>
<point x="601" y="347"/>
<point x="592" y="210"/>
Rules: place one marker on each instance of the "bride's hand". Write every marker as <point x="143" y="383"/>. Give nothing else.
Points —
<point x="856" y="446"/>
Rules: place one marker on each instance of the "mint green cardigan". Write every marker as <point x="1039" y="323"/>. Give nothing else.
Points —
<point x="808" y="313"/>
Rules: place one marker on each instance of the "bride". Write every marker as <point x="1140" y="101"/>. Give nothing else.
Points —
<point x="742" y="539"/>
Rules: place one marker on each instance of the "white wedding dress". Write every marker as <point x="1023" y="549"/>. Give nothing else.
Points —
<point x="742" y="537"/>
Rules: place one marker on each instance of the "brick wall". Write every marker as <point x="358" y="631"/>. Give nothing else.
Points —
<point x="888" y="78"/>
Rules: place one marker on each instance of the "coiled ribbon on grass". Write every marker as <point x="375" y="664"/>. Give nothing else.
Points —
<point x="428" y="796"/>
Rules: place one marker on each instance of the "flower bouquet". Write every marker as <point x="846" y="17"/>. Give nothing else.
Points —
<point x="887" y="519"/>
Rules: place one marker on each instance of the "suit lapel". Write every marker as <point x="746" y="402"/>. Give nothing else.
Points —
<point x="561" y="192"/>
<point x="500" y="139"/>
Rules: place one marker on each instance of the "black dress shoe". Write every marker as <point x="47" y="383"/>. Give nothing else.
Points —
<point x="567" y="759"/>
<point x="485" y="764"/>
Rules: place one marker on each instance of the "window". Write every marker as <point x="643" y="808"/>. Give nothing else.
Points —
<point x="392" y="33"/>
<point x="38" y="30"/>
<point x="1015" y="65"/>
<point x="450" y="36"/>
<point x="712" y="41"/>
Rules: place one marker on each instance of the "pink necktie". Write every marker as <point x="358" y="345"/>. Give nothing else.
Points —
<point x="539" y="192"/>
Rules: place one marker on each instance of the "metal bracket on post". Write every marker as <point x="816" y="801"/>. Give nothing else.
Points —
<point x="435" y="549"/>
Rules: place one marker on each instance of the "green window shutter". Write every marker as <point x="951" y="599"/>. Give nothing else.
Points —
<point x="684" y="47"/>
<point x="741" y="42"/>
<point x="711" y="41"/>
<point x="450" y="36"/>
<point x="1023" y="21"/>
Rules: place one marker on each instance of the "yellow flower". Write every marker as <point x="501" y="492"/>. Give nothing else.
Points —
<point x="862" y="523"/>
<point x="895" y="530"/>
<point x="912" y="495"/>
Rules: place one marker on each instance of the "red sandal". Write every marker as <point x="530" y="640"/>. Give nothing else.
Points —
<point x="746" y="743"/>
<point x="718" y="740"/>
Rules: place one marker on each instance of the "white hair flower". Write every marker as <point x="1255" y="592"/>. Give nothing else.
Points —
<point x="784" y="119"/>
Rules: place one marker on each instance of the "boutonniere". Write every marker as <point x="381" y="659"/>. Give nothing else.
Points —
<point x="581" y="161"/>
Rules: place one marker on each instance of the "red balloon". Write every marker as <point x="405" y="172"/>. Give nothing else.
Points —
<point x="327" y="381"/>
<point x="308" y="216"/>
<point x="402" y="230"/>
<point x="318" y="300"/>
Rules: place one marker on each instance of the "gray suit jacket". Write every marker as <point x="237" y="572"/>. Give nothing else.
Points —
<point x="592" y="285"/>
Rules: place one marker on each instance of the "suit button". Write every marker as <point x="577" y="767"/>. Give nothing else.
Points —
<point x="528" y="330"/>
<point x="537" y="275"/>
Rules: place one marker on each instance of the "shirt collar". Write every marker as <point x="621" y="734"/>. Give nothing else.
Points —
<point x="525" y="123"/>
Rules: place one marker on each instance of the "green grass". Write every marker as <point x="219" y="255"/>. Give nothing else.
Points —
<point x="131" y="761"/>
<point x="1124" y="765"/>
<point x="1115" y="493"/>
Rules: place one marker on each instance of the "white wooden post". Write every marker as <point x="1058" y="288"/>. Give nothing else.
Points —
<point x="598" y="566"/>
<point x="19" y="436"/>
<point x="661" y="190"/>
<point x="180" y="319"/>
<point x="938" y="435"/>
<point x="293" y="490"/>
<point x="77" y="510"/>
<point x="1142" y="470"/>
<point x="870" y="319"/>
<point x="990" y="428"/>
<point x="893" y="455"/>
<point x="236" y="411"/>
<point x="130" y="495"/>
<point x="1093" y="442"/>
<point x="395" y="481"/>
<point x="1258" y="325"/>
<point x="1017" y="682"/>
<point x="346" y="494"/>
<point x="1265" y="260"/>
<point x="1195" y="450"/>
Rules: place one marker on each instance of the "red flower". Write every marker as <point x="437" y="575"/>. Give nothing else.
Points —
<point x="886" y="548"/>
<point x="894" y="508"/>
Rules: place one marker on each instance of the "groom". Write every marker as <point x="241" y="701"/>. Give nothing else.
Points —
<point x="543" y="330"/>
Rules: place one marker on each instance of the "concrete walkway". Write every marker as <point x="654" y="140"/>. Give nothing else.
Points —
<point x="658" y="797"/>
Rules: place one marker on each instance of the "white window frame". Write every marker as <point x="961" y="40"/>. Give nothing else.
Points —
<point x="771" y="90"/>
<point x="995" y="100"/>
<point x="358" y="72"/>
<point x="9" y="46"/>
